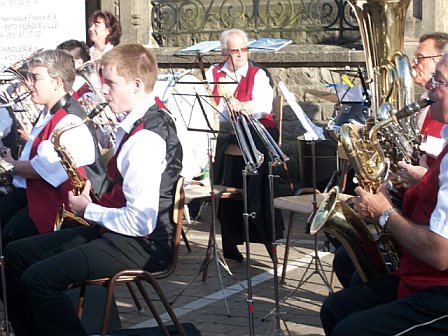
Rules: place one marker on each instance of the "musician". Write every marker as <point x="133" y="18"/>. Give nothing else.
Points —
<point x="80" y="53"/>
<point x="104" y="33"/>
<point x="134" y="228"/>
<point x="428" y="52"/>
<point x="415" y="297"/>
<point x="40" y="181"/>
<point x="245" y="88"/>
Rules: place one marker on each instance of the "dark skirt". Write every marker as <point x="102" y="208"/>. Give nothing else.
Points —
<point x="228" y="171"/>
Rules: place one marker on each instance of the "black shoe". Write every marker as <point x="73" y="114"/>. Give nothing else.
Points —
<point x="233" y="254"/>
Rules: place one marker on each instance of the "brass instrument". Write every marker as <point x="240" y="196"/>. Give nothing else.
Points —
<point x="6" y="176"/>
<point x="14" y="94"/>
<point x="369" y="151"/>
<point x="336" y="218"/>
<point x="77" y="180"/>
<point x="106" y="120"/>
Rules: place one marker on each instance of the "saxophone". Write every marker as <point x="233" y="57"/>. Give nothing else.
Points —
<point x="369" y="151"/>
<point x="77" y="180"/>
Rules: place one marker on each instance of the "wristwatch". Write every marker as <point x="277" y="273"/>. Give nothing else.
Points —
<point x="384" y="218"/>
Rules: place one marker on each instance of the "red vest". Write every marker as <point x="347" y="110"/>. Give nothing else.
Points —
<point x="418" y="204"/>
<point x="432" y="128"/>
<point x="243" y="91"/>
<point x="81" y="91"/>
<point x="44" y="200"/>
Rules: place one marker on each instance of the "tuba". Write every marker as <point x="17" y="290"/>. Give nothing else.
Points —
<point x="372" y="150"/>
<point x="106" y="120"/>
<point x="77" y="180"/>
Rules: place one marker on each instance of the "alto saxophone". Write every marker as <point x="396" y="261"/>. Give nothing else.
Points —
<point x="77" y="180"/>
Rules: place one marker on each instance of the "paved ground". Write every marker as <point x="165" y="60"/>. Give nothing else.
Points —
<point x="215" y="311"/>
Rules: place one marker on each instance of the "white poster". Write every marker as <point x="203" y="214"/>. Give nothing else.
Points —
<point x="29" y="25"/>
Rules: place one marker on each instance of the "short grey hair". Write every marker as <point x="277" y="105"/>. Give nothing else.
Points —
<point x="59" y="64"/>
<point x="226" y="34"/>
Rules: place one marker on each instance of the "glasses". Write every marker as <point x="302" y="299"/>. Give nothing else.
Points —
<point x="435" y="82"/>
<point x="32" y="77"/>
<point x="237" y="51"/>
<point x="417" y="59"/>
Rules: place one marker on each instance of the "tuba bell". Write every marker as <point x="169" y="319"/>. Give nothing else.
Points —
<point x="106" y="120"/>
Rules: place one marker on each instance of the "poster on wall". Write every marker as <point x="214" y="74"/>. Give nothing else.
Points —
<point x="30" y="25"/>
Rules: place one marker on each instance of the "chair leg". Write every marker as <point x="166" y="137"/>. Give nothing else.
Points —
<point x="166" y="304"/>
<point x="153" y="309"/>
<point x="288" y="242"/>
<point x="81" y="299"/>
<point x="134" y="297"/>
<point x="185" y="239"/>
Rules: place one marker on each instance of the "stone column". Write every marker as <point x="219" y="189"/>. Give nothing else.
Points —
<point x="135" y="19"/>
<point x="434" y="15"/>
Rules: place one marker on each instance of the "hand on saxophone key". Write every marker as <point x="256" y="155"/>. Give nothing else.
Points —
<point x="79" y="203"/>
<point x="370" y="205"/>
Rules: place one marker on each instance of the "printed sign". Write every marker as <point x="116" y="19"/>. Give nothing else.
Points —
<point x="29" y="25"/>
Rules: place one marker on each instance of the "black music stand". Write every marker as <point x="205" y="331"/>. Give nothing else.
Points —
<point x="315" y="264"/>
<point x="213" y="252"/>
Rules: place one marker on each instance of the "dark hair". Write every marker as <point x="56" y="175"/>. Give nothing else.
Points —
<point x="78" y="49"/>
<point x="111" y="21"/>
<point x="440" y="38"/>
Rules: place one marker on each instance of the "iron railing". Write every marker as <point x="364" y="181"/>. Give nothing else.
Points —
<point x="184" y="22"/>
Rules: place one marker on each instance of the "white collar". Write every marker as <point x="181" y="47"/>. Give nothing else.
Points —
<point x="138" y="112"/>
<point x="240" y="72"/>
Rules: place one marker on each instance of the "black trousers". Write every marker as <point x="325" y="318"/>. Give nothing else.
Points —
<point x="373" y="309"/>
<point x="39" y="269"/>
<point x="15" y="220"/>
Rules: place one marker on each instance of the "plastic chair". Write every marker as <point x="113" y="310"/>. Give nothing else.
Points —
<point x="138" y="276"/>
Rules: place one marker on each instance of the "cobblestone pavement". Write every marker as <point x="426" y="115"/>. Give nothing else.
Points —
<point x="205" y="303"/>
<point x="217" y="309"/>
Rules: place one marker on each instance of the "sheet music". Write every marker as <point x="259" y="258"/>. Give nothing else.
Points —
<point x="313" y="132"/>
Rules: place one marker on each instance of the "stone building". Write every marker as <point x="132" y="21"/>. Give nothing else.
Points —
<point x="326" y="42"/>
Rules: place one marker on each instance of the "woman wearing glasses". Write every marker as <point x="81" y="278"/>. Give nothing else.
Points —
<point x="241" y="88"/>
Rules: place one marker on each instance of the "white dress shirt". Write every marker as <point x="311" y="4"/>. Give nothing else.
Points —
<point x="262" y="94"/>
<point x="5" y="122"/>
<point x="77" y="141"/>
<point x="141" y="162"/>
<point x="438" y="222"/>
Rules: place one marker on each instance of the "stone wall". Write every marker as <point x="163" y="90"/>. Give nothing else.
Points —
<point x="305" y="70"/>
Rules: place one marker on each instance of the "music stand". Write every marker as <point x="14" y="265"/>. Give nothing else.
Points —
<point x="315" y="261"/>
<point x="213" y="252"/>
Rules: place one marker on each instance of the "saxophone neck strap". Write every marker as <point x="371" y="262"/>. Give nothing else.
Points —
<point x="61" y="103"/>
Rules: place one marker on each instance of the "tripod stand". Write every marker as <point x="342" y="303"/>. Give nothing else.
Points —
<point x="277" y="330"/>
<point x="315" y="266"/>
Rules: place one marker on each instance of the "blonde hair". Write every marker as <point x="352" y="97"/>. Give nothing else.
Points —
<point x="131" y="61"/>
